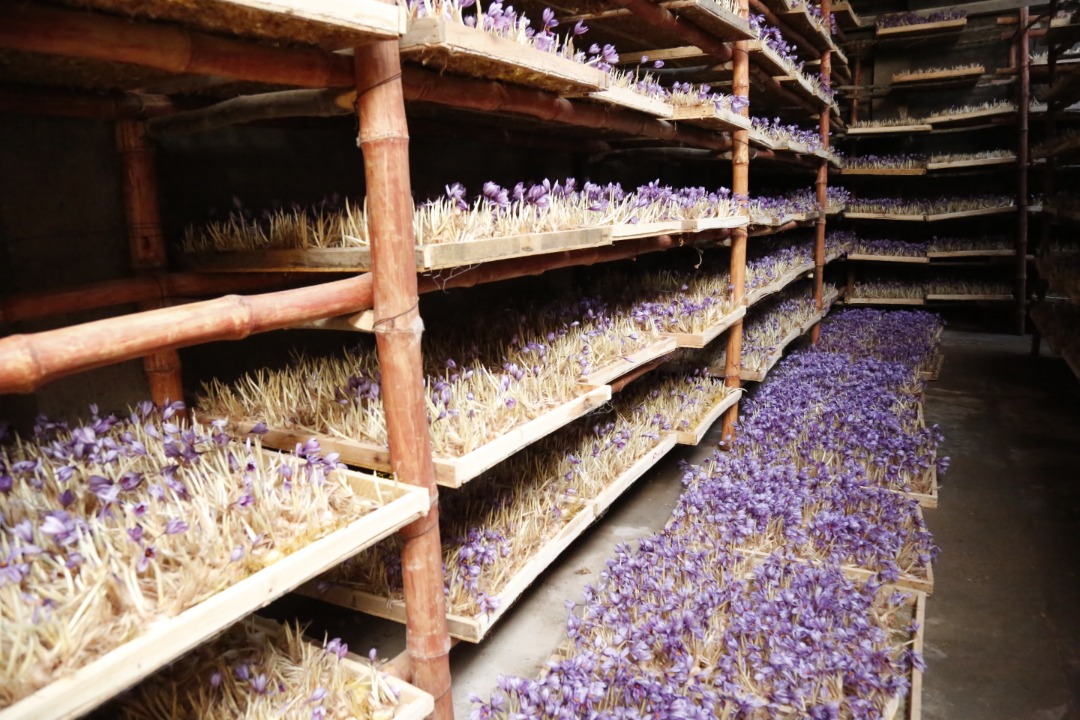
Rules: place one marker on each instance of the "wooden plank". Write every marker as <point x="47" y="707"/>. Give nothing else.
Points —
<point x="701" y="339"/>
<point x="933" y="255"/>
<point x="972" y="213"/>
<point x="375" y="19"/>
<point x="958" y="164"/>
<point x="683" y="52"/>
<point x="627" y="98"/>
<point x="846" y="17"/>
<point x="757" y="295"/>
<point x="617" y="368"/>
<point x="889" y="129"/>
<point x="712" y="18"/>
<point x="450" y="472"/>
<point x="166" y="639"/>
<point x="883" y="171"/>
<point x="629" y="231"/>
<point x="336" y="260"/>
<point x="935" y="369"/>
<point x="969" y="298"/>
<point x="917" y="29"/>
<point x="905" y="78"/>
<point x="446" y="255"/>
<point x="884" y="301"/>
<point x="884" y="216"/>
<point x="452" y="47"/>
<point x="711" y="117"/>
<point x="614" y="490"/>
<point x="915" y="693"/>
<point x="949" y="119"/>
<point x="715" y="223"/>
<point x="695" y="434"/>
<point x="792" y="336"/>
<point x="909" y="259"/>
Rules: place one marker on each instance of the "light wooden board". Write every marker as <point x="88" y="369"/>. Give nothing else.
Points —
<point x="701" y="339"/>
<point x="709" y="116"/>
<point x="969" y="298"/>
<point x="883" y="171"/>
<point x="717" y="223"/>
<point x="428" y="257"/>
<point x="799" y="19"/>
<point x="759" y="294"/>
<point x="616" y="369"/>
<point x="971" y="213"/>
<point x="917" y="29"/>
<point x="915" y="127"/>
<point x="884" y="216"/>
<point x="846" y="17"/>
<point x="935" y="369"/>
<point x="762" y="140"/>
<point x="452" y="47"/>
<point x="449" y="471"/>
<point x="961" y="164"/>
<point x="166" y="639"/>
<point x="953" y="118"/>
<point x="909" y="259"/>
<point x="711" y="17"/>
<point x="884" y="301"/>
<point x="694" y="435"/>
<point x="626" y="98"/>
<point x="937" y="75"/>
<point x="629" y="231"/>
<point x="795" y="334"/>
<point x="473" y="629"/>
<point x="930" y="499"/>
<point x="969" y="253"/>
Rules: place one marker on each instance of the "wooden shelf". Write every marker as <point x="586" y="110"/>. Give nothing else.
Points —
<point x="796" y="333"/>
<point x="883" y="171"/>
<point x="973" y="116"/>
<point x="965" y="164"/>
<point x="448" y="46"/>
<point x="905" y="259"/>
<point x="627" y="364"/>
<point x="884" y="301"/>
<point x="846" y="17"/>
<point x="930" y="28"/>
<point x="701" y="339"/>
<point x="475" y="628"/>
<point x="449" y="471"/>
<point x="695" y="435"/>
<point x="957" y="75"/>
<point x="711" y="117"/>
<point x="895" y="217"/>
<point x="166" y="639"/>
<point x="932" y="297"/>
<point x="974" y="253"/>
<point x="934" y="217"/>
<point x="624" y="98"/>
<point x="915" y="127"/>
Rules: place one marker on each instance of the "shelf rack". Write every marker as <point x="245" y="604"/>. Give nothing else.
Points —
<point x="238" y="40"/>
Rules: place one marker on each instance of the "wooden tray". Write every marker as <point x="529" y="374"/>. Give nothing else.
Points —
<point x="884" y="301"/>
<point x="695" y="434"/>
<point x="883" y="171"/>
<point x="166" y="639"/>
<point x="717" y="223"/>
<point x="759" y="294"/>
<point x="628" y="231"/>
<point x="917" y="259"/>
<point x="449" y="471"/>
<point x="449" y="46"/>
<point x="972" y="213"/>
<point x="919" y="28"/>
<point x="906" y="78"/>
<point x="969" y="298"/>
<point x="711" y="17"/>
<point x="884" y="216"/>
<point x="961" y="164"/>
<point x="626" y="98"/>
<point x="795" y="334"/>
<point x="933" y="255"/>
<point x="701" y="339"/>
<point x="617" y="368"/>
<point x="474" y="628"/>
<point x="914" y="127"/>
<point x="708" y="116"/>
<point x="935" y="369"/>
<point x="949" y="119"/>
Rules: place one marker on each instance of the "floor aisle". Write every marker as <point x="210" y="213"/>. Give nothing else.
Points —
<point x="1003" y="627"/>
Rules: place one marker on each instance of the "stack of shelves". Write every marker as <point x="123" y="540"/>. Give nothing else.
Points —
<point x="921" y="242"/>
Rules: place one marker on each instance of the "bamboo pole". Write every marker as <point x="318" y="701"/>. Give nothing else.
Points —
<point x="822" y="185"/>
<point x="489" y="96"/>
<point x="1022" y="150"/>
<point x="384" y="140"/>
<point x="658" y="16"/>
<point x="250" y="108"/>
<point x="93" y="36"/>
<point x="144" y="288"/>
<point x="146" y="244"/>
<point x="740" y="186"/>
<point x="42" y="101"/>
<point x="29" y="361"/>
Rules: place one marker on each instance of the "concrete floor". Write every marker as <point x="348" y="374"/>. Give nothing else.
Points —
<point x="1003" y="627"/>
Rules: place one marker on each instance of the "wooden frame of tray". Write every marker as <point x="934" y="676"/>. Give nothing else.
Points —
<point x="912" y="77"/>
<point x="715" y="223"/>
<point x="883" y="171"/>
<point x="711" y="117"/>
<point x="711" y="17"/>
<point x="626" y="98"/>
<point x="615" y="369"/>
<point x="846" y="16"/>
<point x="854" y="215"/>
<point x="795" y="274"/>
<point x="909" y="259"/>
<point x="934" y="371"/>
<point x="942" y="254"/>
<point x="629" y="231"/>
<point x="915" y="127"/>
<point x="701" y="339"/>
<point x="932" y="297"/>
<point x="884" y="301"/>
<point x="449" y="471"/>
<point x="796" y="333"/>
<point x="694" y="435"/>
<point x="428" y="257"/>
<point x="951" y="118"/>
<point x="449" y="46"/>
<point x="926" y="500"/>
<point x="980" y="212"/>
<point x="918" y="28"/>
<point x="961" y="164"/>
<point x="166" y="639"/>
<point x="474" y="628"/>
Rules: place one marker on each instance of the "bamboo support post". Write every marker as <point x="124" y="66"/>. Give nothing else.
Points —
<point x="384" y="140"/>
<point x="822" y="189"/>
<point x="658" y="16"/>
<point x="1022" y="151"/>
<point x="94" y="36"/>
<point x="490" y="96"/>
<point x="740" y="186"/>
<point x="146" y="245"/>
<point x="29" y="361"/>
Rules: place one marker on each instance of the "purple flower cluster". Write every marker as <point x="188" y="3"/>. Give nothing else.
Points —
<point x="886" y="247"/>
<point x="915" y="18"/>
<point x="772" y="38"/>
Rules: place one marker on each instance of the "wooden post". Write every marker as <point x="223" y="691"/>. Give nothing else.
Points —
<point x="1046" y="231"/>
<point x="856" y="78"/>
<point x="740" y="187"/>
<point x="146" y="244"/>
<point x="822" y="187"/>
<point x="384" y="140"/>
<point x="1021" y="50"/>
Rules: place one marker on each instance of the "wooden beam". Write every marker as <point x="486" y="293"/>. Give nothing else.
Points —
<point x="76" y="33"/>
<point x="252" y="108"/>
<point x="690" y="34"/>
